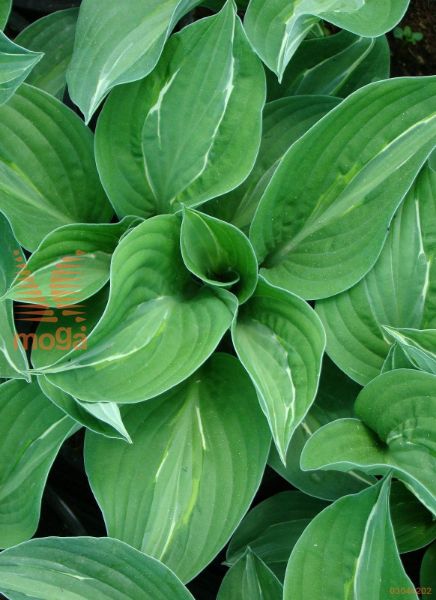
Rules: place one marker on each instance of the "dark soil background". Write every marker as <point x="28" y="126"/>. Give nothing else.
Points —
<point x="68" y="507"/>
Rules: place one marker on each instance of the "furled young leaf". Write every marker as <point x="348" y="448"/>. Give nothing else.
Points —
<point x="192" y="129"/>
<point x="419" y="346"/>
<point x="47" y="171"/>
<point x="272" y="528"/>
<point x="158" y="328"/>
<point x="334" y="65"/>
<point x="396" y="359"/>
<point x="428" y="578"/>
<point x="13" y="362"/>
<point x="71" y="264"/>
<point x="319" y="233"/>
<point x="54" y="36"/>
<point x="100" y="417"/>
<point x="218" y="253"/>
<point x="16" y="63"/>
<point x="250" y="579"/>
<point x="280" y="342"/>
<point x="396" y="432"/>
<point x="32" y="430"/>
<point x="114" y="47"/>
<point x="394" y="293"/>
<point x="5" y="8"/>
<point x="414" y="525"/>
<point x="197" y="458"/>
<point x="284" y="122"/>
<point x="335" y="399"/>
<point x="85" y="567"/>
<point x="348" y="552"/>
<point x="276" y="28"/>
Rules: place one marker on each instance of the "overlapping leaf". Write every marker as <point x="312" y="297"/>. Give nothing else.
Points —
<point x="336" y="65"/>
<point x="114" y="47"/>
<point x="272" y="528"/>
<point x="71" y="264"/>
<point x="5" y="8"/>
<point x="419" y="346"/>
<point x="283" y="123"/>
<point x="348" y="551"/>
<point x="277" y="28"/>
<point x="250" y="579"/>
<point x="178" y="142"/>
<point x="280" y="342"/>
<point x="16" y="63"/>
<point x="319" y="233"/>
<point x="394" y="293"/>
<point x="47" y="171"/>
<point x="159" y="326"/>
<point x="396" y="432"/>
<point x="32" y="430"/>
<point x="197" y="458"/>
<point x="218" y="253"/>
<point x="85" y="567"/>
<point x="54" y="36"/>
<point x="335" y="399"/>
<point x="13" y="362"/>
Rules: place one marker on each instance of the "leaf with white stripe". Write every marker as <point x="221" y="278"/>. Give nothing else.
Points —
<point x="250" y="579"/>
<point x="319" y="233"/>
<point x="276" y="28"/>
<point x="397" y="432"/>
<point x="114" y="47"/>
<point x="85" y="567"/>
<point x="13" y="361"/>
<point x="280" y="341"/>
<point x="159" y="324"/>
<point x="54" y="36"/>
<point x="48" y="175"/>
<point x="348" y="552"/>
<point x="177" y="143"/>
<point x="32" y="430"/>
<point x="16" y="63"/>
<point x="419" y="346"/>
<point x="197" y="458"/>
<point x="335" y="65"/>
<point x="394" y="293"/>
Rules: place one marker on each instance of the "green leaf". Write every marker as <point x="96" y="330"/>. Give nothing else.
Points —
<point x="54" y="36"/>
<point x="32" y="430"/>
<point x="197" y="458"/>
<point x="426" y="192"/>
<point x="16" y="63"/>
<point x="284" y="121"/>
<point x="427" y="578"/>
<point x="414" y="526"/>
<point x="394" y="293"/>
<point x="396" y="432"/>
<point x="159" y="324"/>
<point x="85" y="567"/>
<point x="177" y="143"/>
<point x="419" y="346"/>
<point x="13" y="361"/>
<point x="47" y="172"/>
<point x="396" y="359"/>
<point x="5" y="9"/>
<point x="100" y="417"/>
<point x="114" y="47"/>
<point x="71" y="264"/>
<point x="272" y="528"/>
<point x="276" y="28"/>
<point x="250" y="579"/>
<point x="335" y="399"/>
<point x="280" y="341"/>
<point x="218" y="253"/>
<point x="348" y="552"/>
<point x="334" y="65"/>
<point x="320" y="233"/>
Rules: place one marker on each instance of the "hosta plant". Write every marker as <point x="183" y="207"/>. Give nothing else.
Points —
<point x="217" y="276"/>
